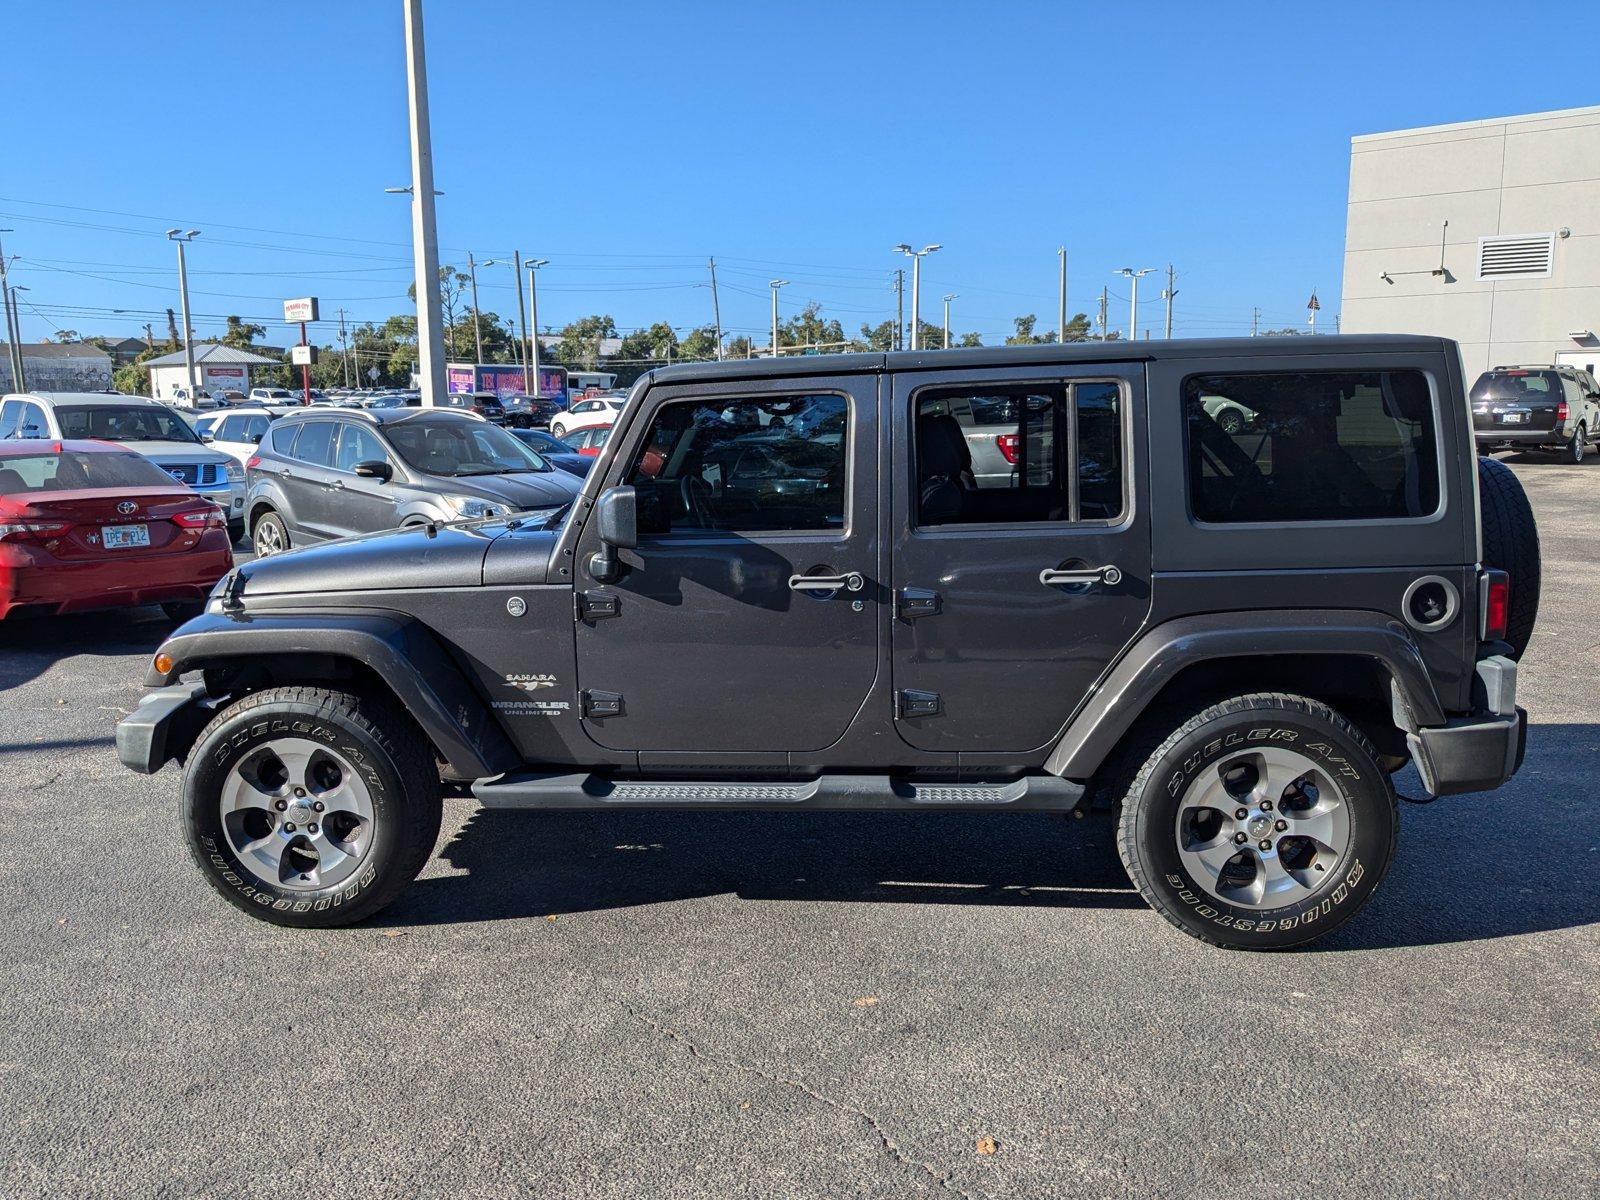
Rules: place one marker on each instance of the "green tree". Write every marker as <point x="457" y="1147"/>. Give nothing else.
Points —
<point x="241" y="335"/>
<point x="580" y="342"/>
<point x="808" y="328"/>
<point x="970" y="340"/>
<point x="1025" y="335"/>
<point x="699" y="345"/>
<point x="1078" y="328"/>
<point x="133" y="378"/>
<point x="879" y="337"/>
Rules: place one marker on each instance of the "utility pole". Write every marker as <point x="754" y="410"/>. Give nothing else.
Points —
<point x="1168" y="295"/>
<point x="775" y="285"/>
<point x="716" y="308"/>
<point x="1255" y="321"/>
<point x="895" y="339"/>
<point x="533" y="265"/>
<point x="1061" y="305"/>
<point x="424" y="228"/>
<point x="149" y="338"/>
<point x="522" y="315"/>
<point x="344" y="349"/>
<point x="183" y="298"/>
<point x="948" y="296"/>
<point x="1133" y="302"/>
<point x="477" y="325"/>
<point x="13" y="324"/>
<point x="916" y="257"/>
<point x="1104" y="296"/>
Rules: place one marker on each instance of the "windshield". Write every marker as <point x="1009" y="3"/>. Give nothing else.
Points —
<point x="133" y="423"/>
<point x="456" y="448"/>
<point x="74" y="470"/>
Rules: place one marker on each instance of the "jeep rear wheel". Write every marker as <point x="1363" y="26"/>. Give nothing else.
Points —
<point x="310" y="807"/>
<point x="1261" y="822"/>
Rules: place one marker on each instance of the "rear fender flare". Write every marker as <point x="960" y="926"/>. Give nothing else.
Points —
<point x="1157" y="657"/>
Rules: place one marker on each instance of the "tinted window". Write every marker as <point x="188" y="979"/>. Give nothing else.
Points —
<point x="358" y="444"/>
<point x="742" y="465"/>
<point x="458" y="446"/>
<point x="280" y="438"/>
<point x="254" y="428"/>
<point x="74" y="469"/>
<point x="10" y="418"/>
<point x="1311" y="446"/>
<point x="114" y="423"/>
<point x="1517" y="385"/>
<point x="315" y="443"/>
<point x="1032" y="452"/>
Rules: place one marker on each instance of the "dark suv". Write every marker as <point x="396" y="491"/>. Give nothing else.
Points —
<point x="784" y="587"/>
<point x="331" y="473"/>
<point x="1537" y="408"/>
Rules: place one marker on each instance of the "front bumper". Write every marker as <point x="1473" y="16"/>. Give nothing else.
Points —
<point x="168" y="716"/>
<point x="1476" y="753"/>
<point x="229" y="497"/>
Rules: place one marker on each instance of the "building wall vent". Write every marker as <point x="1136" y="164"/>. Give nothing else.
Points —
<point x="1526" y="257"/>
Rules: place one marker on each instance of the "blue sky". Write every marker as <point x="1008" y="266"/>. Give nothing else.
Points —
<point x="626" y="142"/>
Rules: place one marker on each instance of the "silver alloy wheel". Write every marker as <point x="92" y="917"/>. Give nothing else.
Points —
<point x="1262" y="828"/>
<point x="297" y="814"/>
<point x="268" y="538"/>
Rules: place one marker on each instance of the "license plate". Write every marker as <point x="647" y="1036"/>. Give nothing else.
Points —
<point x="1514" y="418"/>
<point x="123" y="537"/>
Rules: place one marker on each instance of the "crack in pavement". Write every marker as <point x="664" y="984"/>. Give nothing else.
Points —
<point x="890" y="1146"/>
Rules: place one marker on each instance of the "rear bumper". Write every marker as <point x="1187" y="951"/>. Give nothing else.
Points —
<point x="1520" y="437"/>
<point x="1476" y="753"/>
<point x="166" y="717"/>
<point x="66" y="587"/>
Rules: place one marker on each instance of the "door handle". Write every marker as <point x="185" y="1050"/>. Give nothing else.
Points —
<point x="1108" y="575"/>
<point x="337" y="485"/>
<point x="853" y="582"/>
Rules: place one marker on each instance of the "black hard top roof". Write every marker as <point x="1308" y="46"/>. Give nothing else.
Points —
<point x="1051" y="353"/>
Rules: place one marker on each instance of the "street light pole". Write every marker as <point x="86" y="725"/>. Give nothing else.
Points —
<point x="1133" y="302"/>
<point x="477" y="325"/>
<point x="14" y="316"/>
<point x="13" y="324"/>
<point x="775" y="285"/>
<point x="533" y="265"/>
<point x="522" y="315"/>
<point x="182" y="238"/>
<point x="916" y="257"/>
<point x="424" y="231"/>
<point x="948" y="296"/>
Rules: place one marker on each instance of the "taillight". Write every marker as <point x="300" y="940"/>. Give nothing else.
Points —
<point x="1008" y="446"/>
<point x="1561" y="412"/>
<point x="253" y="462"/>
<point x="211" y="518"/>
<point x="32" y="531"/>
<point x="1496" y="606"/>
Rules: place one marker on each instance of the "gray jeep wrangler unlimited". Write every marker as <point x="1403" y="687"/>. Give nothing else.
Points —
<point x="784" y="587"/>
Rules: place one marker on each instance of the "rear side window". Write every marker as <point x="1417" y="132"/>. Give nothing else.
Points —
<point x="315" y="443"/>
<point x="1013" y="454"/>
<point x="280" y="438"/>
<point x="1311" y="446"/>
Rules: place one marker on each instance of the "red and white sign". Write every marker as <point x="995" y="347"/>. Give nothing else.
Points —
<point x="304" y="309"/>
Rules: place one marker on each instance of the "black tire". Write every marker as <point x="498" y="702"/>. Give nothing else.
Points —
<point x="1230" y="421"/>
<point x="262" y="542"/>
<point x="1577" y="446"/>
<point x="1148" y="829"/>
<point x="235" y="531"/>
<point x="396" y="769"/>
<point x="179" y="611"/>
<point x="1511" y="544"/>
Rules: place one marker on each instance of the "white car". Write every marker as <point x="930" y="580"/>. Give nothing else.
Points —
<point x="144" y="426"/>
<point x="239" y="431"/>
<point x="274" y="396"/>
<point x="595" y="410"/>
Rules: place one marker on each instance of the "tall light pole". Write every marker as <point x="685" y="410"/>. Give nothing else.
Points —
<point x="948" y="296"/>
<point x="424" y="232"/>
<point x="1133" y="303"/>
<point x="1061" y="304"/>
<point x="533" y="265"/>
<point x="916" y="257"/>
<point x="477" y="326"/>
<point x="775" y="284"/>
<point x="182" y="239"/>
<point x="13" y="337"/>
<point x="14" y="315"/>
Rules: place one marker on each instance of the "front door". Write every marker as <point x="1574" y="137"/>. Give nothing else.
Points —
<point x="747" y="618"/>
<point x="1021" y="562"/>
<point x="360" y="504"/>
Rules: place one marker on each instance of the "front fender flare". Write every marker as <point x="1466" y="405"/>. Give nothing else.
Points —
<point x="399" y="649"/>
<point x="1156" y="659"/>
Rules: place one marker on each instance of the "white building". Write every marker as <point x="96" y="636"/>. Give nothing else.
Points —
<point x="216" y="366"/>
<point x="1487" y="232"/>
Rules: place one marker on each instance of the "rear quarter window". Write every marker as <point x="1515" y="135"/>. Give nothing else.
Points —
<point x="1357" y="445"/>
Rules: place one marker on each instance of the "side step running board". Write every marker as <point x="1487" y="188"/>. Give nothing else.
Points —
<point x="1036" y="793"/>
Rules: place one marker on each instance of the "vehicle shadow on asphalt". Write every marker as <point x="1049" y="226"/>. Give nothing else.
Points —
<point x="541" y="864"/>
<point x="30" y="646"/>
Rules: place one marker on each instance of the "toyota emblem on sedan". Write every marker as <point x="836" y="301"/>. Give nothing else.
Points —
<point x="127" y="507"/>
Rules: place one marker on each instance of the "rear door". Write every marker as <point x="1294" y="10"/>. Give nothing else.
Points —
<point x="746" y="620"/>
<point x="307" y="482"/>
<point x="1013" y="590"/>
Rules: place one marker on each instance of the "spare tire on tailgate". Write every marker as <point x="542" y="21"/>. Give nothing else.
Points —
<point x="1511" y="544"/>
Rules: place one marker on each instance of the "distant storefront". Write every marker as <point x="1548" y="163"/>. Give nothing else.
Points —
<point x="216" y="367"/>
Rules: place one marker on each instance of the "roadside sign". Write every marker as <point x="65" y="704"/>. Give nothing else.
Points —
<point x="372" y="374"/>
<point x="303" y="356"/>
<point x="304" y="309"/>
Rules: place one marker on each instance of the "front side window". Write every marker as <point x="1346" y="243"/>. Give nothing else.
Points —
<point x="1311" y="446"/>
<point x="357" y="444"/>
<point x="744" y="465"/>
<point x="114" y="423"/>
<point x="1021" y="453"/>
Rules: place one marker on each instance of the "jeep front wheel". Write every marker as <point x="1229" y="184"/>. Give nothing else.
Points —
<point x="1263" y="821"/>
<point x="310" y="807"/>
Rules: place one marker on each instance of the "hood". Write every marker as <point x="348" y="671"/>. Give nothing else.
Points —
<point x="177" y="452"/>
<point x="409" y="558"/>
<point x="542" y="489"/>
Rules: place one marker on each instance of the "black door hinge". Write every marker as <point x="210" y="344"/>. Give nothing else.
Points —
<point x="602" y="704"/>
<point x="911" y="703"/>
<point x="591" y="606"/>
<point x="911" y="603"/>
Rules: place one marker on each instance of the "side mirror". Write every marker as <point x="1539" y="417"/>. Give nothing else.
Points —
<point x="617" y="518"/>
<point x="374" y="470"/>
<point x="255" y="439"/>
<point x="207" y="438"/>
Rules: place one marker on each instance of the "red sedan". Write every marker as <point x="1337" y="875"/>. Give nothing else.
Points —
<point x="589" y="440"/>
<point x="92" y="525"/>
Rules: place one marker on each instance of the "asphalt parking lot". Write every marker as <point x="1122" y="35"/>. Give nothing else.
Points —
<point x="664" y="1005"/>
